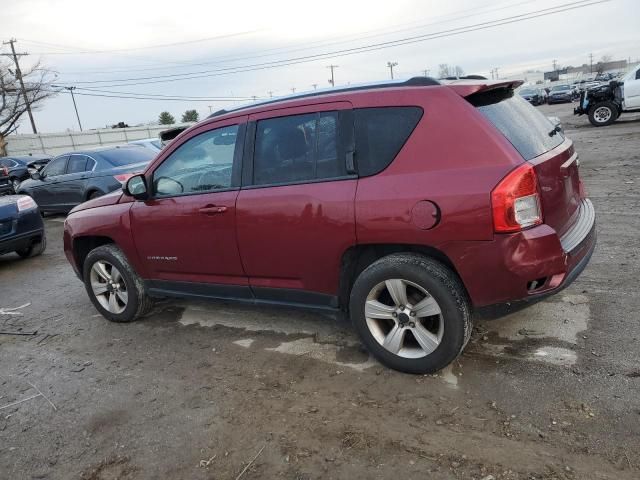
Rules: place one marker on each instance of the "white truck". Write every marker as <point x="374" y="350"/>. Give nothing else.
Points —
<point x="605" y="103"/>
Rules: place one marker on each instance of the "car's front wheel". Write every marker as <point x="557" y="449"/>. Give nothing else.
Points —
<point x="114" y="287"/>
<point x="411" y="312"/>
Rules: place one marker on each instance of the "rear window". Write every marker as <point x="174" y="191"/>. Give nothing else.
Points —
<point x="530" y="132"/>
<point x="119" y="157"/>
<point x="380" y="134"/>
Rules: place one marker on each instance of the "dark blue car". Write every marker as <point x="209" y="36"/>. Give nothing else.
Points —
<point x="19" y="168"/>
<point x="73" y="178"/>
<point x="21" y="226"/>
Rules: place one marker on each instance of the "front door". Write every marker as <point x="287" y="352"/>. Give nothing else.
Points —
<point x="296" y="208"/>
<point x="46" y="190"/>
<point x="632" y="90"/>
<point x="186" y="231"/>
<point x="72" y="185"/>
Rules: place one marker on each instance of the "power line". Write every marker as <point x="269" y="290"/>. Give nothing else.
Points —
<point x="133" y="97"/>
<point x="350" y="51"/>
<point x="277" y="51"/>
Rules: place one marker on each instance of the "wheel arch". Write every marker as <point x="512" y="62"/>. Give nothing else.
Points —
<point x="358" y="257"/>
<point x="84" y="244"/>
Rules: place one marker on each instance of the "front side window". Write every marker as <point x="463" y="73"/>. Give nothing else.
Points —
<point x="203" y="163"/>
<point x="297" y="148"/>
<point x="56" y="167"/>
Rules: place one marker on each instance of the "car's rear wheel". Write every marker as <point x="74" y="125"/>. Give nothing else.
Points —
<point x="15" y="184"/>
<point x="603" y="114"/>
<point x="35" y="249"/>
<point x="114" y="287"/>
<point x="411" y="312"/>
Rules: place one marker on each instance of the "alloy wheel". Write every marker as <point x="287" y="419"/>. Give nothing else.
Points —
<point x="109" y="287"/>
<point x="404" y="318"/>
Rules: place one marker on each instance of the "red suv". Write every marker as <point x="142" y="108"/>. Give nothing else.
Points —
<point x="405" y="204"/>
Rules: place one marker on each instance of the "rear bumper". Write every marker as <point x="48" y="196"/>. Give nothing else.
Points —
<point x="528" y="265"/>
<point x="25" y="229"/>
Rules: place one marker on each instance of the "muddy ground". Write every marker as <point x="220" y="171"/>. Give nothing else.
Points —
<point x="202" y="391"/>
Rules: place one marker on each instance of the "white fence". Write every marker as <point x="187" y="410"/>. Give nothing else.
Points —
<point x="57" y="143"/>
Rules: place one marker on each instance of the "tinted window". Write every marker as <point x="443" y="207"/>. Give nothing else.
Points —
<point x="380" y="134"/>
<point x="203" y="163"/>
<point x="297" y="148"/>
<point x="119" y="157"/>
<point x="638" y="75"/>
<point x="524" y="126"/>
<point x="56" y="167"/>
<point x="77" y="164"/>
<point x="7" y="162"/>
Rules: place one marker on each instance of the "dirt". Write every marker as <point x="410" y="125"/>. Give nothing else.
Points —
<point x="203" y="390"/>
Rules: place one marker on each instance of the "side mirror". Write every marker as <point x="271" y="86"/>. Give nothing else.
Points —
<point x="136" y="187"/>
<point x="36" y="176"/>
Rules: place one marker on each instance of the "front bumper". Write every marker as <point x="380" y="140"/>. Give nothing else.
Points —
<point x="528" y="265"/>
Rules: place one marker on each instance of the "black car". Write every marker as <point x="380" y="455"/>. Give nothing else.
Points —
<point x="72" y="178"/>
<point x="532" y="95"/>
<point x="561" y="94"/>
<point x="21" y="226"/>
<point x="19" y="168"/>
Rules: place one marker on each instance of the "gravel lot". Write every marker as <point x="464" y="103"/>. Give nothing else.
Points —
<point x="201" y="391"/>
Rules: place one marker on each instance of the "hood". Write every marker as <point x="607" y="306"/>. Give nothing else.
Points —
<point x="108" y="199"/>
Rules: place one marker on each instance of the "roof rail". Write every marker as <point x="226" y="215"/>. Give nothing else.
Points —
<point x="412" y="82"/>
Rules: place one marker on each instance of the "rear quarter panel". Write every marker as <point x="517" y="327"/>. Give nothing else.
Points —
<point x="454" y="158"/>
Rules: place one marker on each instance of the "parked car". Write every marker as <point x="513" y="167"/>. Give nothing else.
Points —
<point x="534" y="96"/>
<point x="75" y="177"/>
<point x="406" y="205"/>
<point x="560" y="94"/>
<point x="19" y="168"/>
<point x="5" y="181"/>
<point x="151" y="143"/>
<point x="21" y="226"/>
<point x="606" y="102"/>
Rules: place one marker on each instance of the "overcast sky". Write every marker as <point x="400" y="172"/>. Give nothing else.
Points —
<point x="117" y="43"/>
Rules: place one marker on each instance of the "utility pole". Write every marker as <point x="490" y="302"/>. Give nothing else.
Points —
<point x="270" y="92"/>
<point x="591" y="63"/>
<point x="426" y="72"/>
<point x="254" y="97"/>
<point x="293" y="89"/>
<point x="314" y="85"/>
<point x="71" y="89"/>
<point x="497" y="76"/>
<point x="332" y="80"/>
<point x="391" y="65"/>
<point x="19" y="77"/>
<point x="210" y="108"/>
<point x="555" y="64"/>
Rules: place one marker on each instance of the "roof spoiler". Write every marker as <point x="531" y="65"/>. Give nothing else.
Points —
<point x="465" y="88"/>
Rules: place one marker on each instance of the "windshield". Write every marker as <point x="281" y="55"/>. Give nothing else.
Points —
<point x="527" y="91"/>
<point x="119" y="157"/>
<point x="560" y="88"/>
<point x="530" y="132"/>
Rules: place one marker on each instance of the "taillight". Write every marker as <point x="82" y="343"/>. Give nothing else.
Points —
<point x="516" y="201"/>
<point x="5" y="171"/>
<point x="25" y="203"/>
<point x="123" y="177"/>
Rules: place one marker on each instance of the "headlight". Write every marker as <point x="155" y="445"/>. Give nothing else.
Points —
<point x="26" y="203"/>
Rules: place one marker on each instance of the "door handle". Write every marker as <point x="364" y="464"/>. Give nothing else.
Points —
<point x="213" y="209"/>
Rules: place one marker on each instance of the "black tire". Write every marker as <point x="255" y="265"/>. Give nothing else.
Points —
<point x="603" y="113"/>
<point x="441" y="283"/>
<point x="15" y="183"/>
<point x="138" y="302"/>
<point x="34" y="249"/>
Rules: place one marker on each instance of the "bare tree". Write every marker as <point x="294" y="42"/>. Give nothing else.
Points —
<point x="37" y="83"/>
<point x="443" y="70"/>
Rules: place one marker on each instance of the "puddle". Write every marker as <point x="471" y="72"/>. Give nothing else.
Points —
<point x="557" y="322"/>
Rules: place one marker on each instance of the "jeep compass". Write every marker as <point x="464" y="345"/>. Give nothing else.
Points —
<point x="405" y="205"/>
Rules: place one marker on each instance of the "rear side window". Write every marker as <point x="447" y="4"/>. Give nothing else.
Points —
<point x="77" y="164"/>
<point x="297" y="148"/>
<point x="380" y="134"/>
<point x="530" y="132"/>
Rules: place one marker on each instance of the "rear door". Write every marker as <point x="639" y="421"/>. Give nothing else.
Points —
<point x="295" y="212"/>
<point x="72" y="187"/>
<point x="538" y="142"/>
